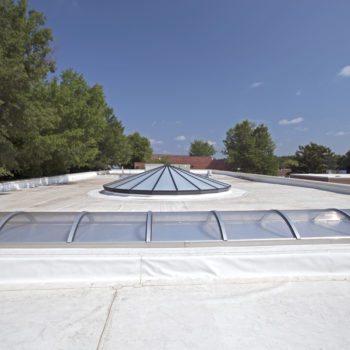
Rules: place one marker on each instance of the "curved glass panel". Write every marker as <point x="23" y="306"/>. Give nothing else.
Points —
<point x="255" y="225"/>
<point x="189" y="226"/>
<point x="319" y="223"/>
<point x="37" y="227"/>
<point x="112" y="227"/>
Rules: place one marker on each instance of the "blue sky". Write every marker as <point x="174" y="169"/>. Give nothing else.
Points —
<point x="179" y="70"/>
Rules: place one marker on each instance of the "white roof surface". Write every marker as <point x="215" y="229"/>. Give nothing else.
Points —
<point x="231" y="298"/>
<point x="343" y="176"/>
<point x="245" y="195"/>
<point x="258" y="297"/>
<point x="254" y="315"/>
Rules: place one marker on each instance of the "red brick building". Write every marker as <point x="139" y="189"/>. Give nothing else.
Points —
<point x="194" y="161"/>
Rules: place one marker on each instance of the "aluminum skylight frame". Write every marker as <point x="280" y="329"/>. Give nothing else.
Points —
<point x="166" y="180"/>
<point x="171" y="229"/>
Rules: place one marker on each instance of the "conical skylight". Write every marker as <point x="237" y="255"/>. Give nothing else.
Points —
<point x="167" y="180"/>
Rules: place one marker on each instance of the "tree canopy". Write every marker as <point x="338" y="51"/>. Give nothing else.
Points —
<point x="201" y="148"/>
<point x="141" y="150"/>
<point x="314" y="158"/>
<point x="57" y="125"/>
<point x="25" y="60"/>
<point x="250" y="148"/>
<point x="82" y="134"/>
<point x="344" y="161"/>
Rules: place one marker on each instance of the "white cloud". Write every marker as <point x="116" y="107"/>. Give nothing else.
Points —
<point x="212" y="143"/>
<point x="155" y="142"/>
<point x="296" y="120"/>
<point x="298" y="93"/>
<point x="256" y="84"/>
<point x="345" y="72"/>
<point x="180" y="138"/>
<point x="338" y="133"/>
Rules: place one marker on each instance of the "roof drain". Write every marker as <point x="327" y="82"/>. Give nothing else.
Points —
<point x="220" y="224"/>
<point x="74" y="227"/>
<point x="285" y="217"/>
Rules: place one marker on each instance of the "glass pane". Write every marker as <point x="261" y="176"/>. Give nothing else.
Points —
<point x="319" y="223"/>
<point x="182" y="184"/>
<point x="122" y="180"/>
<point x="212" y="182"/>
<point x="201" y="184"/>
<point x="254" y="225"/>
<point x="112" y="227"/>
<point x="3" y="214"/>
<point x="37" y="227"/>
<point x="165" y="183"/>
<point x="148" y="184"/>
<point x="128" y="178"/>
<point x="134" y="181"/>
<point x="190" y="226"/>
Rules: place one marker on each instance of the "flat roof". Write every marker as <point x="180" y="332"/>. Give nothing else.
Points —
<point x="342" y="176"/>
<point x="243" y="298"/>
<point x="244" y="195"/>
<point x="248" y="297"/>
<point x="266" y="315"/>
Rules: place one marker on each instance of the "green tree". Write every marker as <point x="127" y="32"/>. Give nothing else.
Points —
<point x="344" y="162"/>
<point x="201" y="148"/>
<point x="285" y="161"/>
<point x="48" y="127"/>
<point x="114" y="148"/>
<point x="141" y="150"/>
<point x="314" y="158"/>
<point x="81" y="124"/>
<point x="25" y="60"/>
<point x="80" y="131"/>
<point x="250" y="148"/>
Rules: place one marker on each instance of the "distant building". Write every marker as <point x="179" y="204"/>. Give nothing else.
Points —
<point x="334" y="178"/>
<point x="195" y="162"/>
